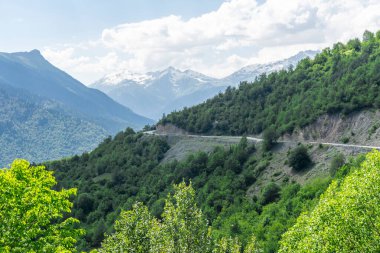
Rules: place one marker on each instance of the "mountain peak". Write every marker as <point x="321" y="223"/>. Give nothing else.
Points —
<point x="34" y="55"/>
<point x="33" y="59"/>
<point x="35" y="52"/>
<point x="170" y="70"/>
<point x="304" y="54"/>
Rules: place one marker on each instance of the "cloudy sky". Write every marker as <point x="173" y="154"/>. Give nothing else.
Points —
<point x="91" y="38"/>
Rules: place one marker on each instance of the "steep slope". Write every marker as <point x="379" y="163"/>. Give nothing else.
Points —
<point x="39" y="129"/>
<point x="231" y="183"/>
<point x="155" y="93"/>
<point x="31" y="72"/>
<point x="342" y="79"/>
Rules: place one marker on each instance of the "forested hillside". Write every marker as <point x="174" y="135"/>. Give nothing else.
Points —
<point x="37" y="218"/>
<point x="31" y="72"/>
<point x="46" y="114"/>
<point x="127" y="169"/>
<point x="39" y="129"/>
<point x="341" y="79"/>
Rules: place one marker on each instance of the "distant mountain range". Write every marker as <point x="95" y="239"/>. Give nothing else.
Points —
<point x="47" y="114"/>
<point x="155" y="93"/>
<point x="250" y="72"/>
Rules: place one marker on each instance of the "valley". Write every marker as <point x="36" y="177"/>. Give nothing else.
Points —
<point x="198" y="131"/>
<point x="46" y="114"/>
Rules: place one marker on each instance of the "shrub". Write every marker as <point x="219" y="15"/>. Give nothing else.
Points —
<point x="337" y="161"/>
<point x="299" y="158"/>
<point x="270" y="193"/>
<point x="269" y="139"/>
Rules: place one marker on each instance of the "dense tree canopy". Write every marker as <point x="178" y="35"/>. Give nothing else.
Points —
<point x="347" y="217"/>
<point x="221" y="179"/>
<point x="31" y="212"/>
<point x="108" y="179"/>
<point x="183" y="229"/>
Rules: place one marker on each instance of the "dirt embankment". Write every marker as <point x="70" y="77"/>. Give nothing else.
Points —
<point x="357" y="128"/>
<point x="170" y="129"/>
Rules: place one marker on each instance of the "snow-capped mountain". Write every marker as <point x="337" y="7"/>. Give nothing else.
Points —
<point x="154" y="93"/>
<point x="124" y="78"/>
<point x="250" y="72"/>
<point x="159" y="89"/>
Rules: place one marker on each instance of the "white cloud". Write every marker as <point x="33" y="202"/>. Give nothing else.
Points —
<point x="240" y="32"/>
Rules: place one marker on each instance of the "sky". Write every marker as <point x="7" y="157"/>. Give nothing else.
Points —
<point x="92" y="38"/>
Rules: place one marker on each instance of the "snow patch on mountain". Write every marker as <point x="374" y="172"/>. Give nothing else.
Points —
<point x="158" y="92"/>
<point x="250" y="72"/>
<point x="115" y="79"/>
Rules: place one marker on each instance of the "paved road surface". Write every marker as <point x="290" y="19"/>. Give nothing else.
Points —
<point x="259" y="140"/>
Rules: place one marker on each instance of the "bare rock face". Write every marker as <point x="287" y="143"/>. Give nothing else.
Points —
<point x="361" y="127"/>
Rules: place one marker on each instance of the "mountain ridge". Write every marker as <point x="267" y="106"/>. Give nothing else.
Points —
<point x="39" y="129"/>
<point x="154" y="93"/>
<point x="341" y="79"/>
<point x="46" y="114"/>
<point x="42" y="78"/>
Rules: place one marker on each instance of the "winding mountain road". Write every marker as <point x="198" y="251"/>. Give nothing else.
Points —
<point x="254" y="139"/>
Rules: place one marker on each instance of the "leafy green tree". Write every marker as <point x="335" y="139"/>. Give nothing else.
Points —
<point x="184" y="222"/>
<point x="269" y="138"/>
<point x="299" y="158"/>
<point x="31" y="212"/>
<point x="252" y="246"/>
<point x="270" y="193"/>
<point x="132" y="232"/>
<point x="367" y="36"/>
<point x="227" y="245"/>
<point x="183" y="229"/>
<point x="347" y="217"/>
<point x="337" y="161"/>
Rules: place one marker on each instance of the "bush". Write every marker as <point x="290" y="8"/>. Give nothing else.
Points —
<point x="299" y="158"/>
<point x="337" y="161"/>
<point x="269" y="138"/>
<point x="85" y="202"/>
<point x="270" y="193"/>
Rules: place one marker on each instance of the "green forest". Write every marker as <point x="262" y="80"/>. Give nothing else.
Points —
<point x="341" y="79"/>
<point x="123" y="196"/>
<point x="37" y="216"/>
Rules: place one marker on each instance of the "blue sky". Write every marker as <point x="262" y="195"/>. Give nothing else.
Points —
<point x="29" y="24"/>
<point x="93" y="38"/>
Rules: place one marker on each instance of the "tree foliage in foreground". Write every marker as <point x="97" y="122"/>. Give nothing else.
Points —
<point x="183" y="229"/>
<point x="31" y="213"/>
<point x="347" y="217"/>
